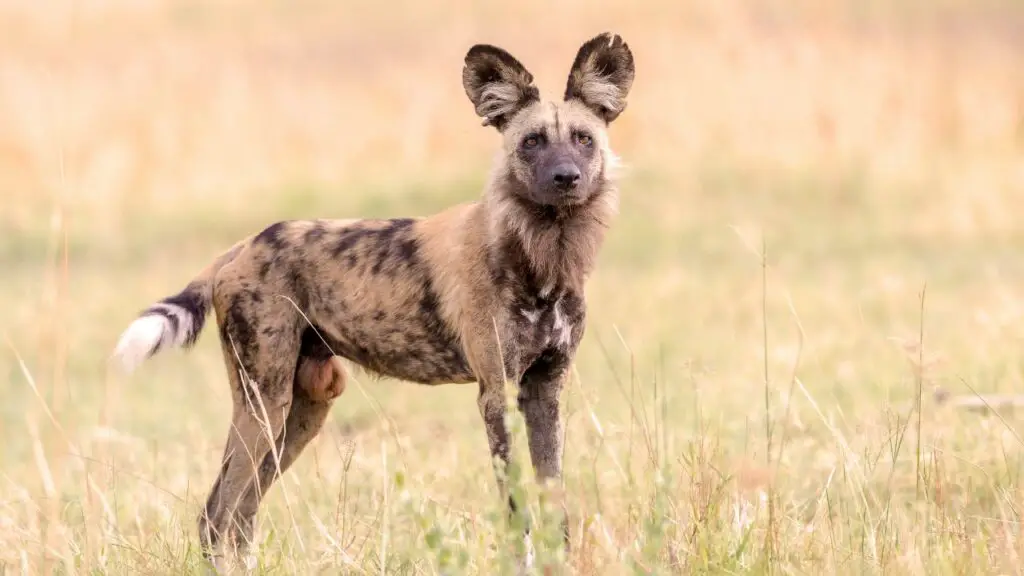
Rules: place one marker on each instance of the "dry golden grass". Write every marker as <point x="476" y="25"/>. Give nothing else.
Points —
<point x="875" y="148"/>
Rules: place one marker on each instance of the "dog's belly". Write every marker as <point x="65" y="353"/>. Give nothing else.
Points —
<point x="404" y="337"/>
<point x="410" y="355"/>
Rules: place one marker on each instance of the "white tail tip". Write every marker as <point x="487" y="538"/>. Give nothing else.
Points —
<point x="140" y="339"/>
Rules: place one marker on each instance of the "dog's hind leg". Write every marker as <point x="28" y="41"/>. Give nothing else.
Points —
<point x="318" y="381"/>
<point x="248" y="443"/>
<point x="260" y="358"/>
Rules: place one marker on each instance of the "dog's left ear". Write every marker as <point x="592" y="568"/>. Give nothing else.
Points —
<point x="602" y="75"/>
<point x="497" y="84"/>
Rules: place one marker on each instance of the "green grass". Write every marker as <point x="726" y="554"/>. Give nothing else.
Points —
<point x="814" y="189"/>
<point x="667" y="467"/>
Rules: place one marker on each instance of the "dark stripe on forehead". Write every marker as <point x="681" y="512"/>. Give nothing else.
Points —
<point x="558" y="129"/>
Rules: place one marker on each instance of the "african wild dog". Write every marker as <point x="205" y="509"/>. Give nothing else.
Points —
<point x="476" y="293"/>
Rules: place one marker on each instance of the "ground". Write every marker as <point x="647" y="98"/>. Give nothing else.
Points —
<point x="818" y="235"/>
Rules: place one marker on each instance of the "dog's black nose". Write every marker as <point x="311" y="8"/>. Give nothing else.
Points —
<point x="566" y="176"/>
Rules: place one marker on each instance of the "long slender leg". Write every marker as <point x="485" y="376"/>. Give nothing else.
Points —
<point x="318" y="383"/>
<point x="214" y="501"/>
<point x="248" y="442"/>
<point x="492" y="404"/>
<point x="261" y="374"/>
<point x="539" y="400"/>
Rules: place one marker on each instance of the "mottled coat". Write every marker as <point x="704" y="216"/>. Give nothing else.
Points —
<point x="483" y="292"/>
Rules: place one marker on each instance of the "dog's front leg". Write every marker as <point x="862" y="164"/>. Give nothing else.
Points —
<point x="540" y="403"/>
<point x="492" y="406"/>
<point x="494" y="366"/>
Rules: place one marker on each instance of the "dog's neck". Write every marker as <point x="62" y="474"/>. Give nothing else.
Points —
<point x="558" y="244"/>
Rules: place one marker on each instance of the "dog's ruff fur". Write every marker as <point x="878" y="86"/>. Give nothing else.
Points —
<point x="480" y="292"/>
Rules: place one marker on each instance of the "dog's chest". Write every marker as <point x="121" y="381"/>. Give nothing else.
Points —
<point x="546" y="321"/>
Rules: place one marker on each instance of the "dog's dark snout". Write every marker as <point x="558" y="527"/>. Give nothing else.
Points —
<point x="566" y="175"/>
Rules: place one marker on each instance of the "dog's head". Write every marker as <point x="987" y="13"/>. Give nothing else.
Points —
<point x="556" y="151"/>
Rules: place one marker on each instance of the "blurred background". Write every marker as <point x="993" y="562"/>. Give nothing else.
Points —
<point x="872" y="148"/>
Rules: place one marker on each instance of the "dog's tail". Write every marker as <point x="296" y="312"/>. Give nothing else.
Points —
<point x="175" y="321"/>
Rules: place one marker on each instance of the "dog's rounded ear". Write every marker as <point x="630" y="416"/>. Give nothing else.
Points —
<point x="497" y="84"/>
<point x="602" y="75"/>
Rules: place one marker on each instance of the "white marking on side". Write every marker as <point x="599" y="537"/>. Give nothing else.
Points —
<point x="140" y="338"/>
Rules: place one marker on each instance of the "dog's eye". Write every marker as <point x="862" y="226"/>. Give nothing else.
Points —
<point x="584" y="139"/>
<point x="531" y="142"/>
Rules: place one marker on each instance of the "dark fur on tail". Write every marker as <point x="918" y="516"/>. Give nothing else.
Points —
<point x="192" y="303"/>
<point x="175" y="321"/>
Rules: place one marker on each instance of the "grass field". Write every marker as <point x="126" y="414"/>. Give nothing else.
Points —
<point x="818" y="257"/>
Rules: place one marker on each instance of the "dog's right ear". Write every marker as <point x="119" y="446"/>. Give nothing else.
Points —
<point x="497" y="84"/>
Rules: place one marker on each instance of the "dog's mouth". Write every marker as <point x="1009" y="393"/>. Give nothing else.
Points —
<point x="559" y="198"/>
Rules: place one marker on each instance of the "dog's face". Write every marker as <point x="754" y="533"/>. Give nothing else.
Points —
<point x="556" y="151"/>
